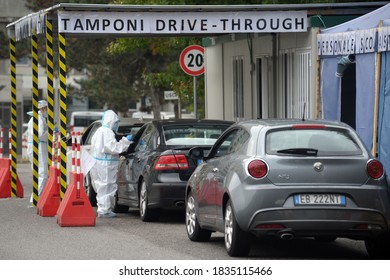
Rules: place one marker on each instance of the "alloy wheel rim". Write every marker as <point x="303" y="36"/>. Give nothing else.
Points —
<point x="190" y="216"/>
<point x="228" y="227"/>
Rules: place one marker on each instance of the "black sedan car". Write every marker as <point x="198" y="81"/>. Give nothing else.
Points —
<point x="153" y="173"/>
<point x="289" y="179"/>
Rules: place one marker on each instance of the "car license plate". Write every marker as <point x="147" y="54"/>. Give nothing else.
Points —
<point x="319" y="199"/>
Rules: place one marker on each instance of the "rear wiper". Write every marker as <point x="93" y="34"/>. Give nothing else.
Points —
<point x="299" y="151"/>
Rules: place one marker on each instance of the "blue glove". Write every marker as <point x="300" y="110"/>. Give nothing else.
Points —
<point x="56" y="129"/>
<point x="129" y="137"/>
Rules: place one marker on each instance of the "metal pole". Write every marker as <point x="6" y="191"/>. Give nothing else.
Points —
<point x="62" y="67"/>
<point x="195" y="101"/>
<point x="50" y="89"/>
<point x="35" y="96"/>
<point x="12" y="138"/>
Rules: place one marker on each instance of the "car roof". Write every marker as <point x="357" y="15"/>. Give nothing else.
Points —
<point x="288" y="122"/>
<point x="190" y="121"/>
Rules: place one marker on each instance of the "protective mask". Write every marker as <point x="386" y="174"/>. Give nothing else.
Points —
<point x="43" y="113"/>
<point x="115" y="127"/>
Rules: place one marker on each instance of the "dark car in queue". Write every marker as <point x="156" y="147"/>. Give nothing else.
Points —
<point x="153" y="173"/>
<point x="288" y="179"/>
<point x="126" y="126"/>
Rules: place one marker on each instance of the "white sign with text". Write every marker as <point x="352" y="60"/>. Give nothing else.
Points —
<point x="181" y="22"/>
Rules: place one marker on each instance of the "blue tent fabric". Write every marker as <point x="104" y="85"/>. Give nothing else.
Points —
<point x="365" y="77"/>
<point x="384" y="113"/>
<point x="365" y="93"/>
<point x="367" y="21"/>
<point x="365" y="97"/>
<point x="330" y="89"/>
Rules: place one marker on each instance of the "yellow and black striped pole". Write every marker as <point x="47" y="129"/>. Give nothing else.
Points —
<point x="50" y="88"/>
<point x="62" y="66"/>
<point x="12" y="47"/>
<point x="35" y="96"/>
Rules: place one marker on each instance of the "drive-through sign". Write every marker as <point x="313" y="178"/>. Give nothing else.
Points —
<point x="192" y="61"/>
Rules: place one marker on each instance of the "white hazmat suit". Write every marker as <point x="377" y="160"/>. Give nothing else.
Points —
<point x="106" y="150"/>
<point x="42" y="145"/>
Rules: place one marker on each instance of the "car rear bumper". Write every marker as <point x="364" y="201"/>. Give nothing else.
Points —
<point x="169" y="196"/>
<point x="338" y="222"/>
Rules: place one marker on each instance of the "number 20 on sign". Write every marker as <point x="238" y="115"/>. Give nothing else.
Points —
<point x="192" y="61"/>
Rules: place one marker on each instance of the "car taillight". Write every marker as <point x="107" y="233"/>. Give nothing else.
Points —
<point x="257" y="168"/>
<point x="171" y="162"/>
<point x="375" y="169"/>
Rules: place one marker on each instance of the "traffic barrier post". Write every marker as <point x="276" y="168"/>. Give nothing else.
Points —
<point x="5" y="173"/>
<point x="49" y="201"/>
<point x="75" y="208"/>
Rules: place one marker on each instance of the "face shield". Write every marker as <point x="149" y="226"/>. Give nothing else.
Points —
<point x="42" y="107"/>
<point x="115" y="127"/>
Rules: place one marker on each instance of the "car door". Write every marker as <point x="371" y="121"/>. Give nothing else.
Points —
<point x="130" y="167"/>
<point x="233" y="146"/>
<point x="209" y="196"/>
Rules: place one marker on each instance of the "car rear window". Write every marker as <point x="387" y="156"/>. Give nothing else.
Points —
<point x="192" y="135"/>
<point x="325" y="142"/>
<point x="128" y="129"/>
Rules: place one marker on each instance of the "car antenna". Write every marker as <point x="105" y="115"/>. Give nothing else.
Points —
<point x="304" y="112"/>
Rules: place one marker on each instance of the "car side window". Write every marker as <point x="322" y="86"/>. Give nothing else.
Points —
<point x="143" y="142"/>
<point x="232" y="142"/>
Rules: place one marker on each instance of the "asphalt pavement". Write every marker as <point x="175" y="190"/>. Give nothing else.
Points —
<point x="25" y="235"/>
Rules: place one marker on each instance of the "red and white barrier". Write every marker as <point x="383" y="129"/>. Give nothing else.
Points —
<point x="1" y="142"/>
<point x="49" y="201"/>
<point x="24" y="147"/>
<point x="75" y="208"/>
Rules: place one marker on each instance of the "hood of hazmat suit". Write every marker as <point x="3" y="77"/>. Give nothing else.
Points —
<point x="105" y="146"/>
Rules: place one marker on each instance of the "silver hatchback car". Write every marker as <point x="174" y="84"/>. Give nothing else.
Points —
<point x="287" y="179"/>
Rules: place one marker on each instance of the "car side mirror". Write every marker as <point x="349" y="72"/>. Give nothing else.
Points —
<point x="196" y="153"/>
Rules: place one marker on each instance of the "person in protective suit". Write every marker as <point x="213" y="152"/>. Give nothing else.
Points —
<point x="106" y="150"/>
<point x="42" y="145"/>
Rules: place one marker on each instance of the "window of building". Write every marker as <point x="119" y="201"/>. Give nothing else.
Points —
<point x="302" y="86"/>
<point x="238" y="87"/>
<point x="294" y="84"/>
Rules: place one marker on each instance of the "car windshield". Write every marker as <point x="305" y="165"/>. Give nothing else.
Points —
<point x="192" y="134"/>
<point x="324" y="142"/>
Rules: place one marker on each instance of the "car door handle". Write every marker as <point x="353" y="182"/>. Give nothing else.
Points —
<point x="215" y="170"/>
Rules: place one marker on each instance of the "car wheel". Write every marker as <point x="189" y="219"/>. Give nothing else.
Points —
<point x="147" y="214"/>
<point x="378" y="247"/>
<point x="237" y="242"/>
<point x="194" y="231"/>
<point x="119" y="208"/>
<point x="91" y="194"/>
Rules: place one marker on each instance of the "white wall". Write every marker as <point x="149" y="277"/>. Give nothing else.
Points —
<point x="214" y="72"/>
<point x="219" y="74"/>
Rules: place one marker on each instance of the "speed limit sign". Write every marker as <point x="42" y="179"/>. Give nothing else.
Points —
<point x="192" y="61"/>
